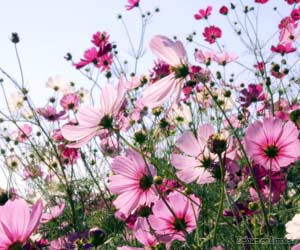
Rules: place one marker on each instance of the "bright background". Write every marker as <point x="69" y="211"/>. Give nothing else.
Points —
<point x="49" y="29"/>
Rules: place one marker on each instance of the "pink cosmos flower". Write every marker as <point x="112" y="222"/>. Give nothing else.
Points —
<point x="211" y="34"/>
<point x="91" y="121"/>
<point x="54" y="213"/>
<point x="225" y="58"/>
<point x="203" y="13"/>
<point x="132" y="181"/>
<point x="132" y="4"/>
<point x="69" y="101"/>
<point x="170" y="226"/>
<point x="296" y="247"/>
<point x="195" y="161"/>
<point x="272" y="143"/>
<point x="174" y="54"/>
<point x="295" y="14"/>
<point x="17" y="223"/>
<point x="283" y="48"/>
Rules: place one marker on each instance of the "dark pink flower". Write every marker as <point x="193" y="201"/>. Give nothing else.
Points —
<point x="261" y="1"/>
<point x="203" y="13"/>
<point x="132" y="4"/>
<point x="223" y="10"/>
<point x="254" y="93"/>
<point x="90" y="56"/>
<point x="295" y="14"/>
<point x="283" y="48"/>
<point x="159" y="71"/>
<point x="291" y="2"/>
<point x="211" y="34"/>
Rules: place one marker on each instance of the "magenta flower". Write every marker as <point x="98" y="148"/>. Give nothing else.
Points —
<point x="223" y="10"/>
<point x="194" y="163"/>
<point x="254" y="93"/>
<point x="203" y="13"/>
<point x="132" y="4"/>
<point x="91" y="121"/>
<point x="89" y="56"/>
<point x="132" y="181"/>
<point x="211" y="34"/>
<point x="170" y="226"/>
<point x="261" y="1"/>
<point x="174" y="54"/>
<point x="283" y="48"/>
<point x="17" y="223"/>
<point x="272" y="143"/>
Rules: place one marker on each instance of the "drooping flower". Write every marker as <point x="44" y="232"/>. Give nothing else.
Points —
<point x="91" y="121"/>
<point x="194" y="163"/>
<point x="204" y="56"/>
<point x="132" y="181"/>
<point x="272" y="144"/>
<point x="170" y="226"/>
<point x="203" y="13"/>
<point x="17" y="223"/>
<point x="174" y="54"/>
<point x="211" y="34"/>
<point x="89" y="56"/>
<point x="253" y="93"/>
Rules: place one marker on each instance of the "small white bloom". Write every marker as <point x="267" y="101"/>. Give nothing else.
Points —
<point x="293" y="228"/>
<point x="59" y="84"/>
<point x="16" y="101"/>
<point x="180" y="115"/>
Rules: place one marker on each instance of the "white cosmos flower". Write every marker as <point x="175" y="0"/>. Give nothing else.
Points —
<point x="293" y="228"/>
<point x="59" y="84"/>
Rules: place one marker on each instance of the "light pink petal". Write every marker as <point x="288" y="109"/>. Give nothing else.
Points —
<point x="183" y="162"/>
<point x="89" y="117"/>
<point x="188" y="144"/>
<point x="171" y="52"/>
<point x="158" y="93"/>
<point x="119" y="184"/>
<point x="35" y="217"/>
<point x="204" y="132"/>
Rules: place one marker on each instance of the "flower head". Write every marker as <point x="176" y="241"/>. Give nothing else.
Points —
<point x="203" y="13"/>
<point x="211" y="34"/>
<point x="272" y="144"/>
<point x="170" y="226"/>
<point x="132" y="181"/>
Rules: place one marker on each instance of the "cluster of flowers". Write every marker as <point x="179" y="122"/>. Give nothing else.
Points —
<point x="179" y="158"/>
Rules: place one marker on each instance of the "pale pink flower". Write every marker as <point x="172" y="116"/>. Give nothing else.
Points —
<point x="174" y="54"/>
<point x="170" y="226"/>
<point x="272" y="144"/>
<point x="69" y="101"/>
<point x="225" y="58"/>
<point x="23" y="133"/>
<point x="195" y="161"/>
<point x="54" y="213"/>
<point x="132" y="181"/>
<point x="91" y="121"/>
<point x="296" y="247"/>
<point x="205" y="56"/>
<point x="17" y="223"/>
